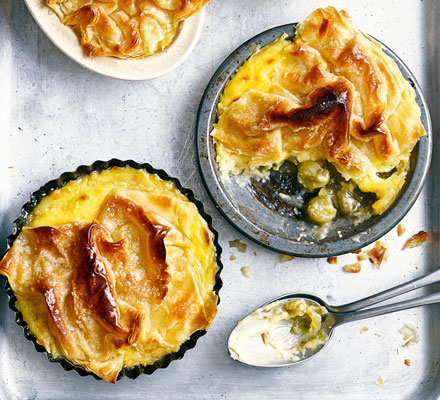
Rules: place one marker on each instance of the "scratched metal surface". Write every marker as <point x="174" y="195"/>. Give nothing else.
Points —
<point x="55" y="115"/>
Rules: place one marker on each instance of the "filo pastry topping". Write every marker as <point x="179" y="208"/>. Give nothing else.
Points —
<point x="331" y="94"/>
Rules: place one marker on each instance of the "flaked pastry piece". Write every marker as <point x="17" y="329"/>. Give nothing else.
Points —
<point x="122" y="290"/>
<point x="331" y="94"/>
<point x="125" y="28"/>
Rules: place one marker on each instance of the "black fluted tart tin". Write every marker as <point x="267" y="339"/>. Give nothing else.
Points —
<point x="55" y="184"/>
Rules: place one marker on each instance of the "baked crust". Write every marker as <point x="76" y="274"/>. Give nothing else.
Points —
<point x="125" y="28"/>
<point x="331" y="94"/>
<point x="124" y="289"/>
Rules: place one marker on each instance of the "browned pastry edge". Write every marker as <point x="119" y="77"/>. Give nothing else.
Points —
<point x="94" y="14"/>
<point x="330" y="105"/>
<point x="157" y="273"/>
<point x="91" y="286"/>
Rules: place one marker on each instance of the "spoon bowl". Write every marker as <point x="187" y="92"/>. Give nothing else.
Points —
<point x="271" y="336"/>
<point x="256" y="351"/>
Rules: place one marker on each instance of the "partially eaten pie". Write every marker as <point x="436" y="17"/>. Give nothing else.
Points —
<point x="114" y="270"/>
<point x="125" y="28"/>
<point x="329" y="96"/>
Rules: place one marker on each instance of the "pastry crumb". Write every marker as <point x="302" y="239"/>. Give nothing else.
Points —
<point x="407" y="362"/>
<point x="245" y="271"/>
<point x="232" y="257"/>
<point x="362" y="257"/>
<point x="239" y="245"/>
<point x="283" y="258"/>
<point x="264" y="338"/>
<point x="380" y="381"/>
<point x="353" y="268"/>
<point x="255" y="253"/>
<point x="364" y="329"/>
<point x="378" y="253"/>
<point x="417" y="240"/>
<point x="332" y="260"/>
<point x="410" y="335"/>
<point x="357" y="251"/>
<point x="400" y="229"/>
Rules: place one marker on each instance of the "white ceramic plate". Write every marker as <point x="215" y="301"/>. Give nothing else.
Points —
<point x="133" y="70"/>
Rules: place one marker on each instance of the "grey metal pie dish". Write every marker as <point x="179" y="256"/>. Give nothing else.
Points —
<point x="83" y="170"/>
<point x="267" y="224"/>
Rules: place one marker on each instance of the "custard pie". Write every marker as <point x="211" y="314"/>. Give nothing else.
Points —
<point x="125" y="29"/>
<point x="330" y="99"/>
<point x="116" y="269"/>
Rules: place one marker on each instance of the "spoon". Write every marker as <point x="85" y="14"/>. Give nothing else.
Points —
<point x="265" y="356"/>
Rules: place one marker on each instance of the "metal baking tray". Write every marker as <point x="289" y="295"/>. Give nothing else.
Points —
<point x="55" y="115"/>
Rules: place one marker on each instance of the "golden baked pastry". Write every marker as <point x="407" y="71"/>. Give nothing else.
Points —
<point x="330" y="95"/>
<point x="116" y="269"/>
<point x="125" y="28"/>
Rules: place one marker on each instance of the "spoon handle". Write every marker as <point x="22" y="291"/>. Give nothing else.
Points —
<point x="386" y="309"/>
<point x="424" y="280"/>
